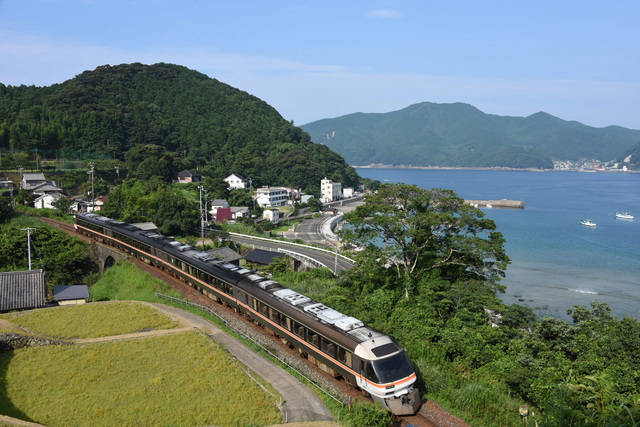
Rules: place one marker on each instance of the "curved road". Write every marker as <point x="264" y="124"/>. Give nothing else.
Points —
<point x="311" y="231"/>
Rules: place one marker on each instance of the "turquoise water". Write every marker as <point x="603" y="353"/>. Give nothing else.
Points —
<point x="556" y="262"/>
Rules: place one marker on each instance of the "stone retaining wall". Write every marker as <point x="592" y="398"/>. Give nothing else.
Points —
<point x="11" y="341"/>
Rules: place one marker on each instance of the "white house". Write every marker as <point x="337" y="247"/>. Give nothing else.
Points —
<point x="239" y="212"/>
<point x="347" y="192"/>
<point x="330" y="191"/>
<point x="268" y="197"/>
<point x="235" y="181"/>
<point x="272" y="215"/>
<point x="45" y="201"/>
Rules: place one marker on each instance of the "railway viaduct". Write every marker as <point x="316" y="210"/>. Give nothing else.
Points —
<point x="107" y="257"/>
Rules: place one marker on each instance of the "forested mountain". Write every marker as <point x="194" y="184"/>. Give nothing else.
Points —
<point x="460" y="135"/>
<point x="171" y="116"/>
<point x="631" y="157"/>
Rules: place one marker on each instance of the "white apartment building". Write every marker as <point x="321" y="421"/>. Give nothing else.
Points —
<point x="269" y="197"/>
<point x="330" y="191"/>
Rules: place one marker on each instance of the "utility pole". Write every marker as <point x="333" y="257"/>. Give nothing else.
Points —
<point x="206" y="207"/>
<point x="93" y="206"/>
<point x="117" y="173"/>
<point x="28" y="230"/>
<point x="201" y="217"/>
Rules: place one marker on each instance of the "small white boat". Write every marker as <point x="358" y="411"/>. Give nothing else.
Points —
<point x="624" y="215"/>
<point x="587" y="223"/>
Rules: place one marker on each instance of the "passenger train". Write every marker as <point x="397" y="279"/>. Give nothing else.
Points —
<point x="340" y="345"/>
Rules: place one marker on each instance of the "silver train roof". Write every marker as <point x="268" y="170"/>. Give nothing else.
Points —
<point x="348" y="325"/>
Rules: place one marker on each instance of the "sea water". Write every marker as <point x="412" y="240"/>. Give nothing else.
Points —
<point x="556" y="263"/>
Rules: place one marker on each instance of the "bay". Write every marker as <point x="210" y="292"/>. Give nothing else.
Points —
<point x="556" y="262"/>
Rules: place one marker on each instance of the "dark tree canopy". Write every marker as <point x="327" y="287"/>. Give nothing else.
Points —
<point x="201" y="121"/>
<point x="424" y="231"/>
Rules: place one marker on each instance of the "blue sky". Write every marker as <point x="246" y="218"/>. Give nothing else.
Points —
<point x="577" y="60"/>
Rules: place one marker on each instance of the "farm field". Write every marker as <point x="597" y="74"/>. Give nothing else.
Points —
<point x="91" y="320"/>
<point x="182" y="379"/>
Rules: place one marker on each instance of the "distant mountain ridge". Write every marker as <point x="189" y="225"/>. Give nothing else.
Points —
<point x="460" y="135"/>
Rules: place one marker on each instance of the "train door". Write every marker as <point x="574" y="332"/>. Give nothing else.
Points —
<point x="243" y="300"/>
<point x="366" y="374"/>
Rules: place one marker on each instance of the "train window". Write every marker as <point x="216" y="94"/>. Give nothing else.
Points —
<point x="315" y="340"/>
<point x="344" y="356"/>
<point x="298" y="329"/>
<point x="369" y="373"/>
<point x="262" y="308"/>
<point x="285" y="322"/>
<point x="274" y="315"/>
<point x="328" y="347"/>
<point x="254" y="304"/>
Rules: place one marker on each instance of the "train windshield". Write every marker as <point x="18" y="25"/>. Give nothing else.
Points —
<point x="392" y="368"/>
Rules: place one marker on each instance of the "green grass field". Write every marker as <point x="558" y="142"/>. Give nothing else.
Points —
<point x="182" y="379"/>
<point x="124" y="281"/>
<point x="91" y="320"/>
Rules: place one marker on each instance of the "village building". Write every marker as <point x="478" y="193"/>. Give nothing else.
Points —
<point x="36" y="183"/>
<point x="272" y="215"/>
<point x="21" y="290"/>
<point x="330" y="191"/>
<point x="218" y="204"/>
<point x="236" y="181"/>
<point x="71" y="295"/>
<point x="240" y="212"/>
<point x="187" y="176"/>
<point x="348" y="192"/>
<point x="45" y="201"/>
<point x="261" y="257"/>
<point x="270" y="197"/>
<point x="227" y="254"/>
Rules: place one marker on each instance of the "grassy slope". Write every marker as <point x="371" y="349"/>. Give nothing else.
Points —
<point x="181" y="379"/>
<point x="91" y="320"/>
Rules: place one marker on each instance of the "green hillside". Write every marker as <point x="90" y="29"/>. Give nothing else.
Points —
<point x="197" y="121"/>
<point x="631" y="157"/>
<point x="460" y="135"/>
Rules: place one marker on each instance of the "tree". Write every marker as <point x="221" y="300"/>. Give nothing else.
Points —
<point x="63" y="204"/>
<point x="420" y="231"/>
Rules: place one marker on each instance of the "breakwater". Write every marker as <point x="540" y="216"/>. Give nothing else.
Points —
<point x="502" y="203"/>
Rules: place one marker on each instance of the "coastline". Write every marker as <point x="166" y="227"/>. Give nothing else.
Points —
<point x="492" y="168"/>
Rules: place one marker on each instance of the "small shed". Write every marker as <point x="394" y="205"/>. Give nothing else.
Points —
<point x="262" y="257"/>
<point x="20" y="290"/>
<point x="227" y="254"/>
<point x="71" y="295"/>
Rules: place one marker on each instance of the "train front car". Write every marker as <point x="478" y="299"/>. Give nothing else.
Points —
<point x="387" y="374"/>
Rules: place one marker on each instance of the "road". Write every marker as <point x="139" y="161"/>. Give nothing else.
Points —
<point x="313" y="231"/>
<point x="329" y="259"/>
